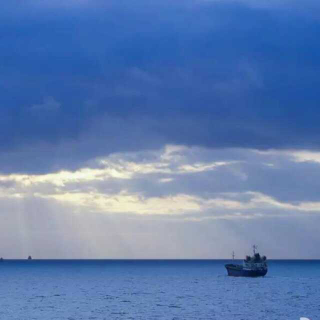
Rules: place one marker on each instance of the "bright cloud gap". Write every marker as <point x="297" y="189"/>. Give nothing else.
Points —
<point x="189" y="183"/>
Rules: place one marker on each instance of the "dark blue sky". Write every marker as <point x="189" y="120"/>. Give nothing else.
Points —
<point x="209" y="73"/>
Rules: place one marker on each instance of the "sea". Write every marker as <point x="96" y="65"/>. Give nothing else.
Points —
<point x="156" y="289"/>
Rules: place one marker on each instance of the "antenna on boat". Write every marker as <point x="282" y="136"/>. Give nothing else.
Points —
<point x="254" y="248"/>
<point x="233" y="255"/>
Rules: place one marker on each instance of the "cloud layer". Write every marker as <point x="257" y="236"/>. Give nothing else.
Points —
<point x="133" y="77"/>
<point x="239" y="192"/>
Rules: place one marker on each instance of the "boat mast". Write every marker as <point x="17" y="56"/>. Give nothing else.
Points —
<point x="233" y="255"/>
<point x="254" y="249"/>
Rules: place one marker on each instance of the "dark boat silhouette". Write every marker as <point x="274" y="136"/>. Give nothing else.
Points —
<point x="29" y="258"/>
<point x="252" y="266"/>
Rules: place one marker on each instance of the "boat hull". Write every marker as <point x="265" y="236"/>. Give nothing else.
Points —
<point x="239" y="271"/>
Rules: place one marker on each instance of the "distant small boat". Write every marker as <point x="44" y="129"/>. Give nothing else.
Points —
<point x="1" y="259"/>
<point x="29" y="258"/>
<point x="255" y="266"/>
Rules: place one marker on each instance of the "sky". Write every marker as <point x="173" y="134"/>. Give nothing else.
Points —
<point x="159" y="129"/>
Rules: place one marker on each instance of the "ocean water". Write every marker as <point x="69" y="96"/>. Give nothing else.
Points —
<point x="157" y="289"/>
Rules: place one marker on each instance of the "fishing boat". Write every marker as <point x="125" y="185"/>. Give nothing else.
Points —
<point x="252" y="266"/>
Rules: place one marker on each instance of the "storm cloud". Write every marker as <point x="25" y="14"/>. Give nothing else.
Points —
<point x="139" y="76"/>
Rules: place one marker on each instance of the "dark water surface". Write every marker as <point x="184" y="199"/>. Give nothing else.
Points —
<point x="156" y="289"/>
